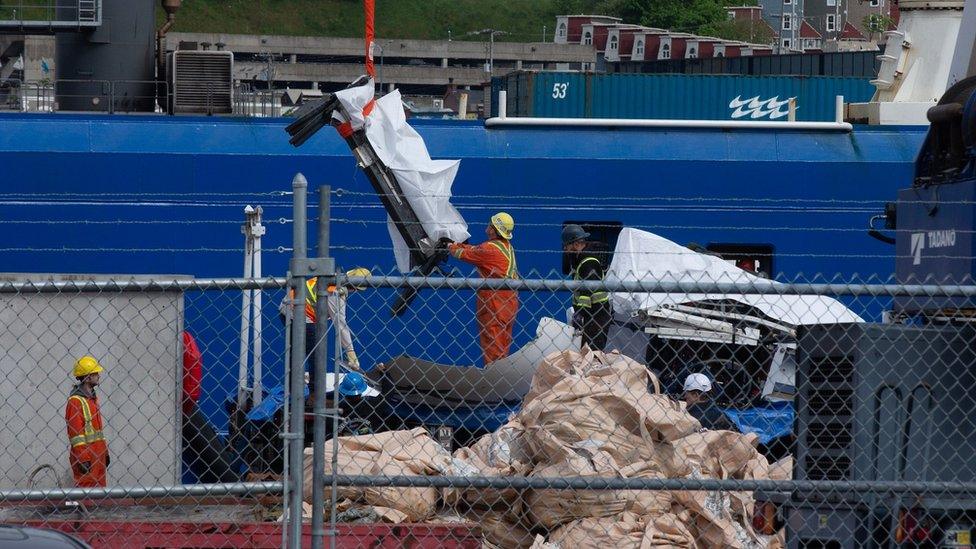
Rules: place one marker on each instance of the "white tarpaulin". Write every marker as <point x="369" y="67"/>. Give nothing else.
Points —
<point x="641" y="255"/>
<point x="426" y="183"/>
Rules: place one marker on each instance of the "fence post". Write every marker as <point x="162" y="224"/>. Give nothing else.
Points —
<point x="296" y="398"/>
<point x="326" y="278"/>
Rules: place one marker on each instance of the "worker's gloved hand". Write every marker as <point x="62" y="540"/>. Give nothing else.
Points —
<point x="444" y="242"/>
<point x="108" y="460"/>
<point x="84" y="467"/>
<point x="352" y="360"/>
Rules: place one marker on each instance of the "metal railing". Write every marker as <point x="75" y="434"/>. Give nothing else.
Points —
<point x="123" y="96"/>
<point x="50" y="14"/>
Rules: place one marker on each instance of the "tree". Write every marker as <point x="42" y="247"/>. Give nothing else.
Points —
<point x="876" y="23"/>
<point x="754" y="32"/>
<point x="683" y="15"/>
<point x="678" y="15"/>
<point x="631" y="11"/>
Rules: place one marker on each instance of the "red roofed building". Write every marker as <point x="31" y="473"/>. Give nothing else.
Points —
<point x="851" y="32"/>
<point x="618" y="41"/>
<point x="569" y="28"/>
<point x="810" y="39"/>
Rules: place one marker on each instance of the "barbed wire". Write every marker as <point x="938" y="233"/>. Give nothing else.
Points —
<point x="602" y="198"/>
<point x="279" y="249"/>
<point x="281" y="221"/>
<point x="635" y="207"/>
<point x="155" y="204"/>
<point x="157" y="194"/>
<point x="559" y="250"/>
<point x="554" y="224"/>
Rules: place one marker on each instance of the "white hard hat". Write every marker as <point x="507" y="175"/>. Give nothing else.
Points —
<point x="698" y="382"/>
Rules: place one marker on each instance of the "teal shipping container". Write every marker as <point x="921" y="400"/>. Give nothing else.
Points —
<point x="676" y="96"/>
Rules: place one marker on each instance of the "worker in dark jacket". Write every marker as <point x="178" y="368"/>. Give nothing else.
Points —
<point x="593" y="311"/>
<point x="698" y="397"/>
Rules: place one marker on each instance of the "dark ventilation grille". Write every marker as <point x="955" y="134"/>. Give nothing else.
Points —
<point x="830" y="403"/>
<point x="202" y="82"/>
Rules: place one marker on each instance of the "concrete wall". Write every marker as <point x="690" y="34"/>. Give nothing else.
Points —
<point x="135" y="336"/>
<point x="443" y="58"/>
<point x="421" y="49"/>
<point x="38" y="53"/>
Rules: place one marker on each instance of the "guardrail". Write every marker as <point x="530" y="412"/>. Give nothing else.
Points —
<point x="50" y="14"/>
<point x="122" y="96"/>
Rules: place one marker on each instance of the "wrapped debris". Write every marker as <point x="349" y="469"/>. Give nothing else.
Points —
<point x="782" y="469"/>
<point x="503" y="453"/>
<point x="722" y="519"/>
<point x="393" y="453"/>
<point x="587" y="414"/>
<point x="600" y="415"/>
<point x="602" y="397"/>
<point x="551" y="508"/>
<point x="628" y="530"/>
<point x="501" y="530"/>
<point x="556" y="367"/>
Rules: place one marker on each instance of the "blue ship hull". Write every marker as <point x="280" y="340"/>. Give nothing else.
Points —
<point x="807" y="194"/>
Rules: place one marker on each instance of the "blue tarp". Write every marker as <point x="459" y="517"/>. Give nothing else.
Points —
<point x="769" y="422"/>
<point x="274" y="399"/>
<point x="488" y="417"/>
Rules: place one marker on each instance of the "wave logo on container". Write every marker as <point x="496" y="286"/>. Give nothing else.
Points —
<point x="755" y="108"/>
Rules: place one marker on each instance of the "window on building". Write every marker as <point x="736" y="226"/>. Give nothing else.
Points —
<point x="602" y="239"/>
<point x="787" y="2"/>
<point x="832" y="3"/>
<point x="639" y="48"/>
<point x="719" y="53"/>
<point x="787" y="43"/>
<point x="587" y="38"/>
<point x="562" y="30"/>
<point x="731" y="15"/>
<point x="787" y="21"/>
<point x="666" y="51"/>
<point x="875" y="3"/>
<point x="613" y="43"/>
<point x="693" y="53"/>
<point x="831" y="23"/>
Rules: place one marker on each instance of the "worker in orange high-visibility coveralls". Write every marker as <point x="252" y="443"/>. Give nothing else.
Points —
<point x="495" y="309"/>
<point x="89" y="452"/>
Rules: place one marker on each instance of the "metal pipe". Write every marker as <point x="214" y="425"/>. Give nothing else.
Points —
<point x="140" y="492"/>
<point x="839" y="109"/>
<point x="337" y="410"/>
<point x="759" y="287"/>
<point x="245" y="312"/>
<point x="171" y="7"/>
<point x="258" y="323"/>
<point x="695" y="124"/>
<point x="607" y="483"/>
<point x="295" y="435"/>
<point x="321" y="357"/>
<point x="502" y="106"/>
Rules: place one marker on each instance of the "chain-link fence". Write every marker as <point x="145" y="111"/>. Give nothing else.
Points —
<point x="684" y="403"/>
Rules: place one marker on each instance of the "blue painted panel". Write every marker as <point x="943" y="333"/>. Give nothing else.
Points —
<point x="790" y="189"/>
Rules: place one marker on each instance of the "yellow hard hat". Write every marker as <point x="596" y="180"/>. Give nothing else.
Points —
<point x="87" y="365"/>
<point x="503" y="224"/>
<point x="361" y="272"/>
